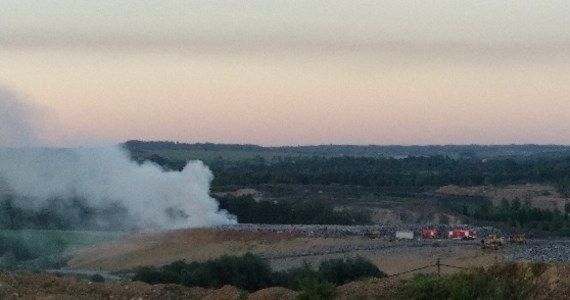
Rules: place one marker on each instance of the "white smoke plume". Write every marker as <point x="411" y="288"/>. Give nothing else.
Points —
<point x="16" y="128"/>
<point x="103" y="178"/>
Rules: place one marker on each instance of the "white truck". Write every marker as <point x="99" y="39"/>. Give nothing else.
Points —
<point x="404" y="235"/>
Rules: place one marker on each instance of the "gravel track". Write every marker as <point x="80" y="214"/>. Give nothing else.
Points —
<point x="550" y="251"/>
<point x="338" y="231"/>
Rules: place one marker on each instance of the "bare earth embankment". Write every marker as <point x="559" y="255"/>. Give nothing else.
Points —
<point x="541" y="196"/>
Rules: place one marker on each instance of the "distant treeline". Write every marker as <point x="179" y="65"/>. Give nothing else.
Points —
<point x="363" y="150"/>
<point x="76" y="214"/>
<point x="520" y="214"/>
<point x="247" y="210"/>
<point x="411" y="171"/>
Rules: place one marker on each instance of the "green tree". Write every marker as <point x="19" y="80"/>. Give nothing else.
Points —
<point x="340" y="271"/>
<point x="444" y="219"/>
<point x="313" y="289"/>
<point x="567" y="208"/>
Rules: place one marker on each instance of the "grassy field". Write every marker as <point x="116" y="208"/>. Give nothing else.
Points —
<point x="68" y="238"/>
<point x="44" y="249"/>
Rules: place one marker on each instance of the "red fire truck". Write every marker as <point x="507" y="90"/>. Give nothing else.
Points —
<point x="431" y="234"/>
<point x="458" y="234"/>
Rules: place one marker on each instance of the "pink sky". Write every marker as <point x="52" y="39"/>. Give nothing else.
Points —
<point x="488" y="79"/>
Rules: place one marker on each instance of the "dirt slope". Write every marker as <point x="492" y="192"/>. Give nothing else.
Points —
<point x="552" y="284"/>
<point x="541" y="196"/>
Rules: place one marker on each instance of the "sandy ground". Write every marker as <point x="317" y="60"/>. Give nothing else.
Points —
<point x="403" y="258"/>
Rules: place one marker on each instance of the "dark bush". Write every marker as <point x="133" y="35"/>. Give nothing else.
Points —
<point x="153" y="275"/>
<point x="313" y="289"/>
<point x="251" y="272"/>
<point x="293" y="277"/>
<point x="340" y="271"/>
<point x="97" y="278"/>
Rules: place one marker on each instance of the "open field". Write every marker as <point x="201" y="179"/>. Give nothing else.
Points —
<point x="68" y="238"/>
<point x="284" y="250"/>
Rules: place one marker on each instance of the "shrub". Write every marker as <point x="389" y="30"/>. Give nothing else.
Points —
<point x="313" y="289"/>
<point x="292" y="278"/>
<point x="249" y="272"/>
<point x="501" y="281"/>
<point x="97" y="278"/>
<point x="426" y="287"/>
<point x="152" y="275"/>
<point x="341" y="271"/>
<point x="537" y="268"/>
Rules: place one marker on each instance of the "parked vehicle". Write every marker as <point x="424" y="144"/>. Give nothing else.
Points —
<point x="404" y="235"/>
<point x="462" y="234"/>
<point x="517" y="239"/>
<point x="431" y="234"/>
<point x="495" y="240"/>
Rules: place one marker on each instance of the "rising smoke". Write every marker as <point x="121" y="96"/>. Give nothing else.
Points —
<point x="95" y="183"/>
<point x="16" y="121"/>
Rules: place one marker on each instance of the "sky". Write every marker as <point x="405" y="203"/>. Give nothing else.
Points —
<point x="291" y="72"/>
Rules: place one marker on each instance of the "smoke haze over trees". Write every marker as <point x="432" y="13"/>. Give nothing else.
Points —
<point x="99" y="187"/>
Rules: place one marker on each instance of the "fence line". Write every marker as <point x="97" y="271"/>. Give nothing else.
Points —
<point x="410" y="271"/>
<point x="347" y="250"/>
<point x="456" y="267"/>
<point x="437" y="265"/>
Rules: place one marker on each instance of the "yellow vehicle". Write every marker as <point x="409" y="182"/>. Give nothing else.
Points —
<point x="494" y="239"/>
<point x="518" y="239"/>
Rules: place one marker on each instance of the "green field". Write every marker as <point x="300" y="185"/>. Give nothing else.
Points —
<point x="64" y="237"/>
<point x="33" y="249"/>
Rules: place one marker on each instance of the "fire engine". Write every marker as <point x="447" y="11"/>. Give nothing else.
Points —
<point x="431" y="234"/>
<point x="462" y="234"/>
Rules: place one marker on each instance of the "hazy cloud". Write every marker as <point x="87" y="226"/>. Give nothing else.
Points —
<point x="16" y="121"/>
<point x="480" y="29"/>
<point x="295" y="45"/>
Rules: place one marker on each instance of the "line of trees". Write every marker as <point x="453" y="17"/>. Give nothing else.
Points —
<point x="410" y="171"/>
<point x="413" y="171"/>
<point x="248" y="210"/>
<point x="359" y="150"/>
<point x="521" y="214"/>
